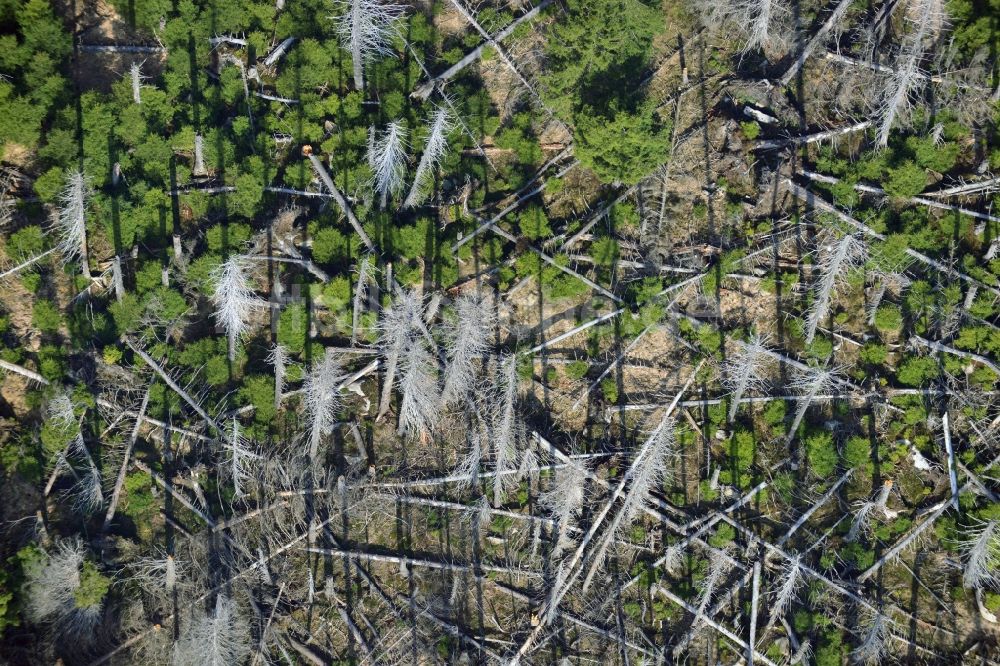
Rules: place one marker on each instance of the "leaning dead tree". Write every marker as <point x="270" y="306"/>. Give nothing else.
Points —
<point x="234" y="299"/>
<point x="808" y="197"/>
<point x="120" y="482"/>
<point x="982" y="556"/>
<point x="136" y="77"/>
<point x="323" y="399"/>
<point x="434" y="148"/>
<point x="218" y="638"/>
<point x="810" y="383"/>
<point x="505" y="427"/>
<point x="656" y="467"/>
<point x="365" y="282"/>
<point x="564" y="501"/>
<point x="759" y="23"/>
<point x="835" y="262"/>
<point x="278" y="358"/>
<point x="467" y="343"/>
<point x="53" y="594"/>
<point x="367" y="29"/>
<point x="875" y="643"/>
<point x="926" y="19"/>
<point x="744" y="370"/>
<point x="86" y="494"/>
<point x="643" y="472"/>
<point x="866" y="510"/>
<point x="387" y="158"/>
<point x="71" y="224"/>
<point x="420" y="398"/>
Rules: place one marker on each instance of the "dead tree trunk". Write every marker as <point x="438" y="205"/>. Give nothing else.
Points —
<point x="819" y="203"/>
<point x="835" y="16"/>
<point x="168" y="380"/>
<point x="341" y="201"/>
<point x="120" y="482"/>
<point x="424" y="90"/>
<point x="357" y="57"/>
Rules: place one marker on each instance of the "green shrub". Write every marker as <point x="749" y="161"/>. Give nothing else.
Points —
<point x="258" y="390"/>
<point x="822" y="454"/>
<point x="293" y="328"/>
<point x="126" y="314"/>
<point x="873" y="354"/>
<point x="724" y="534"/>
<point x="93" y="586"/>
<point x="604" y="251"/>
<point x="337" y="294"/>
<point x="888" y="318"/>
<point x="577" y="369"/>
<point x="857" y="452"/>
<point x="609" y="387"/>
<point x="917" y="370"/>
<point x="831" y="650"/>
<point x="26" y="243"/>
<point x="52" y="362"/>
<point x="857" y="555"/>
<point x="227" y="237"/>
<point x="741" y="449"/>
<point x="906" y="180"/>
<point x="774" y="413"/>
<point x="46" y="317"/>
<point x="534" y="224"/>
<point x="929" y="155"/>
<point x="8" y="612"/>
<point x="329" y="245"/>
<point x="750" y="129"/>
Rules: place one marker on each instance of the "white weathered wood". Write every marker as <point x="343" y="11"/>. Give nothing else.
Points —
<point x="754" y="602"/>
<point x="817" y="39"/>
<point x="24" y="372"/>
<point x="771" y="144"/>
<point x="168" y="380"/>
<point x="819" y="203"/>
<point x="952" y="471"/>
<point x="341" y="201"/>
<point x="120" y="482"/>
<point x="26" y="263"/>
<point x="424" y="89"/>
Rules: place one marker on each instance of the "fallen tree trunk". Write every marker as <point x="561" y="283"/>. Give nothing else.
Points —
<point x="424" y="90"/>
<point x="120" y="482"/>
<point x="810" y="198"/>
<point x="835" y="16"/>
<point x="341" y="201"/>
<point x="871" y="189"/>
